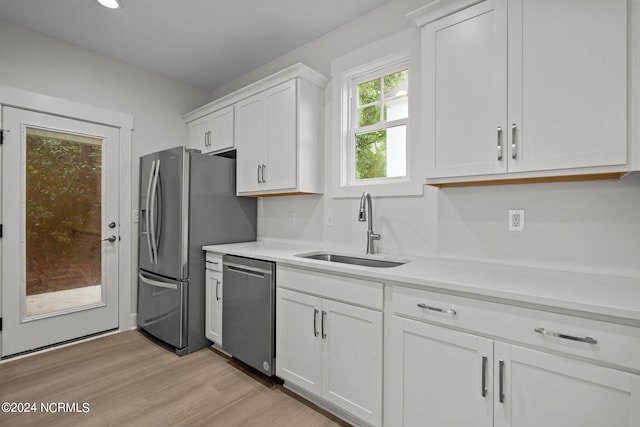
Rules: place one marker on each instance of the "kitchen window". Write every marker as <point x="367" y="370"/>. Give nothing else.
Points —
<point x="376" y="91"/>
<point x="379" y="116"/>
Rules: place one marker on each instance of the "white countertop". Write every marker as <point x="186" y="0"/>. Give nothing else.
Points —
<point x="593" y="295"/>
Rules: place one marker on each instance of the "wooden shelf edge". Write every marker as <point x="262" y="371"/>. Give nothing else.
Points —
<point x="536" y="180"/>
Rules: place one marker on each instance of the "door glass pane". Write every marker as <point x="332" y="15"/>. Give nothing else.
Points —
<point x="63" y="208"/>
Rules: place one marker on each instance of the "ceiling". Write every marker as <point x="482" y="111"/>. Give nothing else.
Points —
<point x="204" y="43"/>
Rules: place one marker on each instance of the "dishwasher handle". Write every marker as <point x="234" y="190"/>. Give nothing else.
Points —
<point x="247" y="270"/>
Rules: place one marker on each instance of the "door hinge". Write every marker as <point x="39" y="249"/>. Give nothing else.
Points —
<point x="0" y="324"/>
<point x="1" y="231"/>
<point x="2" y="131"/>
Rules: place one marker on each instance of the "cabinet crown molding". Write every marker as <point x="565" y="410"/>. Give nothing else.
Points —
<point x="436" y="10"/>
<point x="298" y="70"/>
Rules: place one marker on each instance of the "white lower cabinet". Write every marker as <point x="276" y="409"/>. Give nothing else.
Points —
<point x="213" y="299"/>
<point x="299" y="343"/>
<point x="331" y="350"/>
<point x="440" y="376"/>
<point x="543" y="389"/>
<point x="444" y="376"/>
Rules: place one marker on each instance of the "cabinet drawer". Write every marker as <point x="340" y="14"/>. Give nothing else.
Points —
<point x="213" y="261"/>
<point x="356" y="291"/>
<point x="588" y="338"/>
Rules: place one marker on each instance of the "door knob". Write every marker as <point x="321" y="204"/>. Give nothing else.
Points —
<point x="112" y="224"/>
<point x="110" y="239"/>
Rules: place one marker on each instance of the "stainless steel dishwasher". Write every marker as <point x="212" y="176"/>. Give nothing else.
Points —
<point x="248" y="312"/>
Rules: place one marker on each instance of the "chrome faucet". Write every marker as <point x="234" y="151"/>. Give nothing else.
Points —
<point x="364" y="213"/>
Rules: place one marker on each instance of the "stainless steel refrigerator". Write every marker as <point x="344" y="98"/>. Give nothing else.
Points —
<point x="187" y="200"/>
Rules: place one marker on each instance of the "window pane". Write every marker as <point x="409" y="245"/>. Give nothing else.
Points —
<point x="371" y="155"/>
<point x="396" y="108"/>
<point x="368" y="115"/>
<point x="63" y="221"/>
<point x="369" y="92"/>
<point x="396" y="84"/>
<point x="397" y="151"/>
<point x="381" y="154"/>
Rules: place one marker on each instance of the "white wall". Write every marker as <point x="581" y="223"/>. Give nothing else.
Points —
<point x="588" y="226"/>
<point x="37" y="63"/>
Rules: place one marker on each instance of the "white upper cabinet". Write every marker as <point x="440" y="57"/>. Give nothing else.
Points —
<point x="275" y="125"/>
<point x="567" y="84"/>
<point x="525" y="88"/>
<point x="279" y="140"/>
<point x="266" y="125"/>
<point x="465" y="63"/>
<point x="213" y="132"/>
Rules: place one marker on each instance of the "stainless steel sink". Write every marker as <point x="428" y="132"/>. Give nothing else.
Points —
<point x="346" y="259"/>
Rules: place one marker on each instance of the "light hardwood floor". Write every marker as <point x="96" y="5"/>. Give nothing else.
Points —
<point x="129" y="381"/>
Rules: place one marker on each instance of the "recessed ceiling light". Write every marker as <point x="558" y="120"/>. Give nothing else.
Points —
<point x="111" y="4"/>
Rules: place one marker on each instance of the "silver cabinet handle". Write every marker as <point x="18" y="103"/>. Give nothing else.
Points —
<point x="450" y="311"/>
<point x="499" y="143"/>
<point x="484" y="376"/>
<point x="217" y="289"/>
<point x="259" y="170"/>
<point x="264" y="168"/>
<point x="315" y="322"/>
<point x="501" y="380"/>
<point x="514" y="146"/>
<point x="543" y="331"/>
<point x="324" y="316"/>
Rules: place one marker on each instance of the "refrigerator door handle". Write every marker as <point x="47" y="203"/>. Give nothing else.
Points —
<point x="147" y="210"/>
<point x="157" y="283"/>
<point x="152" y="215"/>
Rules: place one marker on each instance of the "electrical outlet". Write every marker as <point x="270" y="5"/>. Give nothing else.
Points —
<point x="292" y="218"/>
<point x="136" y="216"/>
<point x="330" y="220"/>
<point x="516" y="219"/>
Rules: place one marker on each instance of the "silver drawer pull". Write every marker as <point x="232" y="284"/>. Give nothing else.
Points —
<point x="484" y="389"/>
<point x="499" y="143"/>
<point x="501" y="380"/>
<point x="450" y="311"/>
<point x="514" y="146"/>
<point x="588" y="340"/>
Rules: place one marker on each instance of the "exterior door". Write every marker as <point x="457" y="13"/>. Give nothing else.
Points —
<point x="60" y="244"/>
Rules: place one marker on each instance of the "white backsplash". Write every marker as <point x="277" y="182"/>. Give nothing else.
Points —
<point x="585" y="226"/>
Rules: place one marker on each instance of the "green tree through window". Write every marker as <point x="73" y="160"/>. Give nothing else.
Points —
<point x="377" y="107"/>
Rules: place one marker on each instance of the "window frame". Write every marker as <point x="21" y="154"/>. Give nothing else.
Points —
<point x="354" y="129"/>
<point x="398" y="51"/>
